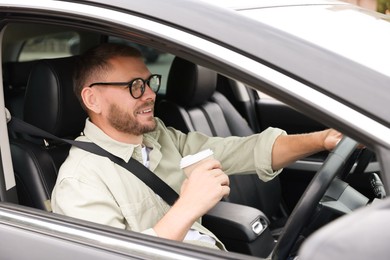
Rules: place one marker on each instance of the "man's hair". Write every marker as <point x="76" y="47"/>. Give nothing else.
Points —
<point x="94" y="65"/>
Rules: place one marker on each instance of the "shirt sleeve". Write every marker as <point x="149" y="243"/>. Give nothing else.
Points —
<point x="242" y="155"/>
<point x="238" y="155"/>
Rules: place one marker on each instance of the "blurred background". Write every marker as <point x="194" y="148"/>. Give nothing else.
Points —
<point x="382" y="6"/>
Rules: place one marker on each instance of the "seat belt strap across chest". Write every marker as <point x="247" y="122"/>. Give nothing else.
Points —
<point x="138" y="169"/>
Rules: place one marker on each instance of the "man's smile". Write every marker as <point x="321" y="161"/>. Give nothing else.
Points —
<point x="144" y="111"/>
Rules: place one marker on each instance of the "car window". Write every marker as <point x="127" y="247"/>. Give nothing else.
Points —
<point x="50" y="46"/>
<point x="162" y="66"/>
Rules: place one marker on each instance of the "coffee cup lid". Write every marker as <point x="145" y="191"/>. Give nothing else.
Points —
<point x="194" y="158"/>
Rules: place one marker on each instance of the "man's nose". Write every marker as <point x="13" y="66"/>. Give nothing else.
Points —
<point x="149" y="93"/>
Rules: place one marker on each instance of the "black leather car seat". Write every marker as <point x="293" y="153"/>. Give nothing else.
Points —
<point x="50" y="105"/>
<point x="193" y="104"/>
<point x="15" y="78"/>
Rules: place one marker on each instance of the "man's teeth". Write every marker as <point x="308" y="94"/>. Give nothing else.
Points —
<point x="145" y="111"/>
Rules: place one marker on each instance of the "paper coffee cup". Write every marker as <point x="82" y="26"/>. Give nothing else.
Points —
<point x="189" y="162"/>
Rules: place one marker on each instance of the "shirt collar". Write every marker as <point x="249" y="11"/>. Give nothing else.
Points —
<point x="122" y="150"/>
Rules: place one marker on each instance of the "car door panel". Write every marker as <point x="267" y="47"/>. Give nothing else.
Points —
<point x="35" y="234"/>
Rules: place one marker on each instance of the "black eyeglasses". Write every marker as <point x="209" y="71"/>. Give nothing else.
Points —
<point x="136" y="86"/>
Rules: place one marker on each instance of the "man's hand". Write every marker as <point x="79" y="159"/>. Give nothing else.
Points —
<point x="206" y="186"/>
<point x="331" y="139"/>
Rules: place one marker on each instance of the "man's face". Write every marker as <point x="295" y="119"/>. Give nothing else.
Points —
<point x="121" y="110"/>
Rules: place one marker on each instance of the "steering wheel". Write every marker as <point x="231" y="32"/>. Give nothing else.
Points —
<point x="336" y="162"/>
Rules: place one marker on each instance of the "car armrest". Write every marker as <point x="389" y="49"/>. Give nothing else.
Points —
<point x="241" y="228"/>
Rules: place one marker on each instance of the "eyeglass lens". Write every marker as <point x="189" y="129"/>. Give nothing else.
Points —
<point x="138" y="85"/>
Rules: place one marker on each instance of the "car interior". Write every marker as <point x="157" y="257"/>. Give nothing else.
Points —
<point x="37" y="79"/>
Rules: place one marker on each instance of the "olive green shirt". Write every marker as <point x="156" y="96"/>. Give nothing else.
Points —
<point x="93" y="188"/>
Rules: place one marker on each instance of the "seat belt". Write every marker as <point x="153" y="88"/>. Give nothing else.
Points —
<point x="133" y="166"/>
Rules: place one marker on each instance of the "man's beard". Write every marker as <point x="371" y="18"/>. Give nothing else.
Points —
<point x="126" y="123"/>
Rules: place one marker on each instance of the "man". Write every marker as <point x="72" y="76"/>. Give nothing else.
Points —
<point x="118" y="92"/>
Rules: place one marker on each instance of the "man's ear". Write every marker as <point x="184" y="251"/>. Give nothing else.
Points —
<point x="91" y="99"/>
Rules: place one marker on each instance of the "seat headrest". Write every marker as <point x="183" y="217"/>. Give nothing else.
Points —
<point x="189" y="84"/>
<point x="50" y="103"/>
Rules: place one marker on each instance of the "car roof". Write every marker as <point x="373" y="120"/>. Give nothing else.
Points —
<point x="250" y="4"/>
